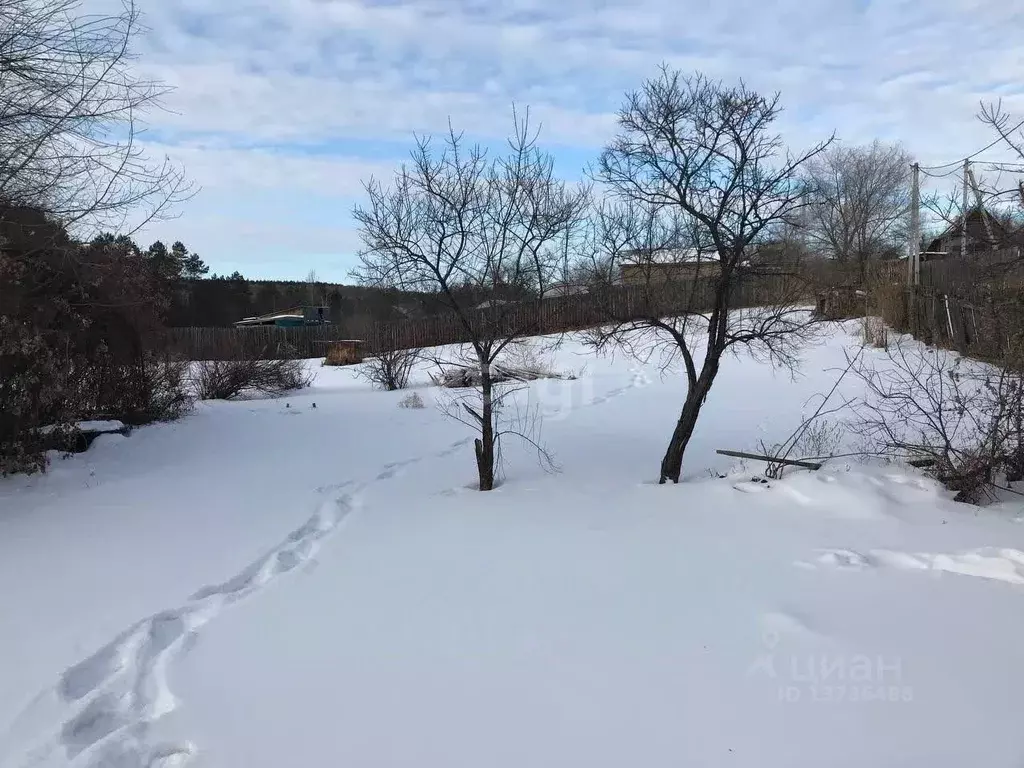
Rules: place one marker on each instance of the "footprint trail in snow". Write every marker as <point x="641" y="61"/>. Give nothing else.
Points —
<point x="113" y="698"/>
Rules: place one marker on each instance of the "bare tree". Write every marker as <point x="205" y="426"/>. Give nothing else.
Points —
<point x="78" y="314"/>
<point x="695" y="167"/>
<point x="316" y="291"/>
<point x="70" y="106"/>
<point x="996" y="191"/>
<point x="480" y="233"/>
<point x="860" y="202"/>
<point x="1010" y="133"/>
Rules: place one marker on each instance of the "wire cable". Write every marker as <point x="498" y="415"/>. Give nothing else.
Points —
<point x="953" y="172"/>
<point x="971" y="157"/>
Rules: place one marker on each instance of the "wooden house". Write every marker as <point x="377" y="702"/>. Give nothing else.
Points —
<point x="984" y="233"/>
<point x="667" y="266"/>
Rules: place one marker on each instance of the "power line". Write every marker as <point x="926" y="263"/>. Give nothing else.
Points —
<point x="940" y="167"/>
<point x="971" y="157"/>
<point x="941" y="175"/>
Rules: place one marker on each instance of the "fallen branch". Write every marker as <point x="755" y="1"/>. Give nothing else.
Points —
<point x="771" y="459"/>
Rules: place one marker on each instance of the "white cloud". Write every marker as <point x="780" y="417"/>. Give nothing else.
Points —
<point x="225" y="168"/>
<point x="259" y="81"/>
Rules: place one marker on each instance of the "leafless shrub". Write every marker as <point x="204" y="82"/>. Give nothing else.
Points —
<point x="887" y="300"/>
<point x="412" y="400"/>
<point x="960" y="417"/>
<point x="163" y="391"/>
<point x="457" y="376"/>
<point x="389" y="369"/>
<point x="876" y="334"/>
<point x="817" y="437"/>
<point x="821" y="440"/>
<point x="228" y="379"/>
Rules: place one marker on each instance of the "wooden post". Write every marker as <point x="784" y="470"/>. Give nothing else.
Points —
<point x="949" y="317"/>
<point x="934" y="319"/>
<point x="957" y="325"/>
<point x="914" y="248"/>
<point x="963" y="214"/>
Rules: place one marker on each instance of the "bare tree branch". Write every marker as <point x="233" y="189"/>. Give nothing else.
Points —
<point x="699" y="183"/>
<point x="71" y="111"/>
<point x="481" y="233"/>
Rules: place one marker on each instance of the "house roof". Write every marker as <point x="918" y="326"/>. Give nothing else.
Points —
<point x="666" y="256"/>
<point x="295" y="313"/>
<point x="977" y="229"/>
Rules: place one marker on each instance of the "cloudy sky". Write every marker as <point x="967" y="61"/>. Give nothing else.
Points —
<point x="282" y="107"/>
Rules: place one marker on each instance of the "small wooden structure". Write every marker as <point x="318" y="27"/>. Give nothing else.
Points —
<point x="344" y="351"/>
<point x="840" y="303"/>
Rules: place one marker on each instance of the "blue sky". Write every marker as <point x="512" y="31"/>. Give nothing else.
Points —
<point x="281" y="107"/>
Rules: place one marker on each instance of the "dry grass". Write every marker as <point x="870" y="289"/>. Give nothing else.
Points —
<point x="888" y="301"/>
<point x="342" y="354"/>
<point x="411" y="401"/>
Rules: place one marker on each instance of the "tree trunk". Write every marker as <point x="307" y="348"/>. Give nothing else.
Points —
<point x="672" y="463"/>
<point x="485" y="443"/>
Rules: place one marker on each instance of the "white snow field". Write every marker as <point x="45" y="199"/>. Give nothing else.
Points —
<point x="266" y="583"/>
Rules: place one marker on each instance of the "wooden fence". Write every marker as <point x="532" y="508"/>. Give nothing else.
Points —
<point x="995" y="271"/>
<point x="253" y="342"/>
<point x="988" y="329"/>
<point x="554" y="315"/>
<point x="962" y="292"/>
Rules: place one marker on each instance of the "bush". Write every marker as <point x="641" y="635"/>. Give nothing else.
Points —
<point x="963" y="421"/>
<point x="76" y="321"/>
<point x="876" y="333"/>
<point x="228" y="379"/>
<point x="389" y="370"/>
<point x="163" y="391"/>
<point x="31" y="395"/>
<point x="411" y="401"/>
<point x="520" y="362"/>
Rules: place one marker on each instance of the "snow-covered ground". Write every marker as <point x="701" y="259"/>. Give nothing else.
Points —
<point x="266" y="583"/>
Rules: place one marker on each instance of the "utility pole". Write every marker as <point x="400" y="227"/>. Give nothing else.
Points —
<point x="963" y="214"/>
<point x="914" y="247"/>
<point x="981" y="209"/>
